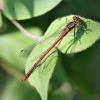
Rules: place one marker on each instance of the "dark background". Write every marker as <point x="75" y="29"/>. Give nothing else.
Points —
<point x="76" y="76"/>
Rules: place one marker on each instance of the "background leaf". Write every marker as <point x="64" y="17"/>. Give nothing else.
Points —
<point x="23" y="9"/>
<point x="13" y="92"/>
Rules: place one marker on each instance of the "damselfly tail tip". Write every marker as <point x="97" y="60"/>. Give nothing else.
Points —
<point x="24" y="79"/>
<point x="26" y="76"/>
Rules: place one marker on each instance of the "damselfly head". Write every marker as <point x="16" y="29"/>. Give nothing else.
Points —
<point x="76" y="19"/>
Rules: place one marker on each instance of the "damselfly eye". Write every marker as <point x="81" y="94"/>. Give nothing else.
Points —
<point x="76" y="19"/>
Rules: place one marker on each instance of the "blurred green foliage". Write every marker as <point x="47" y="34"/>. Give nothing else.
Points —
<point x="76" y="76"/>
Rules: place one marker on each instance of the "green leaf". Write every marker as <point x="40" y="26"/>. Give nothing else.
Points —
<point x="0" y="19"/>
<point x="24" y="9"/>
<point x="70" y="44"/>
<point x="42" y="74"/>
<point x="87" y="36"/>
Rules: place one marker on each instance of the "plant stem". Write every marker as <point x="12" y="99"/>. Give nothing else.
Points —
<point x="22" y="29"/>
<point x="26" y="32"/>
